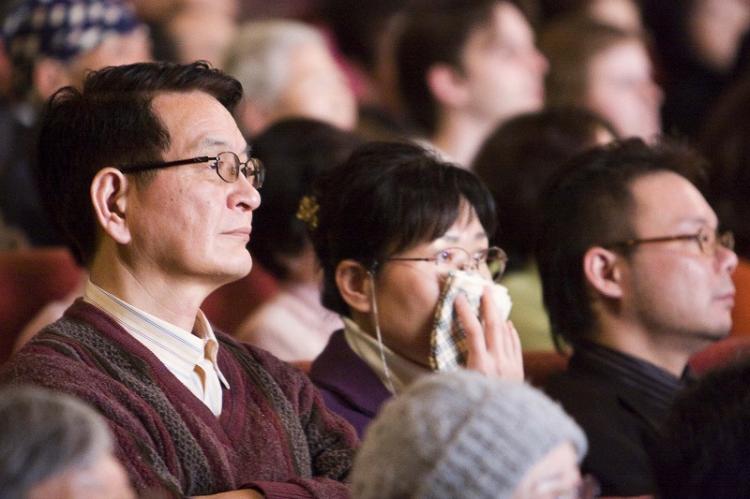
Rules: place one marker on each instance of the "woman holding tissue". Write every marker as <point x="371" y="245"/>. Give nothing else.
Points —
<point x="402" y="237"/>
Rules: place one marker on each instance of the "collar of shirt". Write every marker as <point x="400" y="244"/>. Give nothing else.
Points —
<point x="653" y="382"/>
<point x="403" y="371"/>
<point x="180" y="350"/>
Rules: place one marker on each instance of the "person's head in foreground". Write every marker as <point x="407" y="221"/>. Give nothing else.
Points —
<point x="393" y="221"/>
<point x="52" y="445"/>
<point x="631" y="256"/>
<point x="462" y="434"/>
<point x="703" y="450"/>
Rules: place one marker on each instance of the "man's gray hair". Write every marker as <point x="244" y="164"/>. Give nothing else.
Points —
<point x="42" y="434"/>
<point x="260" y="54"/>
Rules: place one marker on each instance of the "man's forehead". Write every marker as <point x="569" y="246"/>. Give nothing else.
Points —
<point x="667" y="199"/>
<point x="198" y="120"/>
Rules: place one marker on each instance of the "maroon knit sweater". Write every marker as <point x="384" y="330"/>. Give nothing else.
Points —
<point x="274" y="432"/>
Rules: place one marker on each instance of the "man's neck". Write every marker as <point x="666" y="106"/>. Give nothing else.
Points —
<point x="460" y="137"/>
<point x="171" y="299"/>
<point x="657" y="349"/>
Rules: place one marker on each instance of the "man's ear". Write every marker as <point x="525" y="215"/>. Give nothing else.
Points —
<point x="447" y="85"/>
<point x="603" y="271"/>
<point x="355" y="285"/>
<point x="109" y="191"/>
<point x="48" y="76"/>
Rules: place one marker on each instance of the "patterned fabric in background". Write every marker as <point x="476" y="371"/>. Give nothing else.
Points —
<point x="62" y="29"/>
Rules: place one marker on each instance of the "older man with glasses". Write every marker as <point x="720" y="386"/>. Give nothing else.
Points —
<point x="151" y="181"/>
<point x="636" y="279"/>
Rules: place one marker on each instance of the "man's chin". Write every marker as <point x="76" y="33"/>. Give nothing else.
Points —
<point x="234" y="271"/>
<point x="717" y="334"/>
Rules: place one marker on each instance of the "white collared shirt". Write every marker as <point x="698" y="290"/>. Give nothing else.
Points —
<point x="191" y="358"/>
<point x="402" y="371"/>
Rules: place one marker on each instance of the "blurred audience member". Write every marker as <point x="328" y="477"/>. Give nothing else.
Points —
<point x="636" y="278"/>
<point x="51" y="44"/>
<point x="464" y="67"/>
<point x="364" y="34"/>
<point x="604" y="69"/>
<point x="516" y="162"/>
<point x="157" y="11"/>
<point x="622" y="14"/>
<point x="696" y="43"/>
<point x="462" y="434"/>
<point x="397" y="231"/>
<point x="287" y="70"/>
<point x="52" y="445"/>
<point x="702" y="451"/>
<point x="726" y="142"/>
<point x="200" y="34"/>
<point x="294" y="325"/>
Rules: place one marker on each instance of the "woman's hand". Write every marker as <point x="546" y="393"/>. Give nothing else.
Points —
<point x="493" y="344"/>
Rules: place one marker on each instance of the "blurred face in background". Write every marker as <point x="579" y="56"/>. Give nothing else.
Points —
<point x="620" y="88"/>
<point x="502" y="68"/>
<point x="316" y="88"/>
<point x="623" y="14"/>
<point x="716" y="28"/>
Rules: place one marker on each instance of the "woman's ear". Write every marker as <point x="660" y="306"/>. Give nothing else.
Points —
<point x="602" y="270"/>
<point x="109" y="191"/>
<point x="355" y="285"/>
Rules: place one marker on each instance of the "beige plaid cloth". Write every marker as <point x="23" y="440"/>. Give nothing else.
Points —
<point x="448" y="348"/>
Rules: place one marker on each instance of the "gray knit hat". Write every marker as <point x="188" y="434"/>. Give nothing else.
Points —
<point x="459" y="434"/>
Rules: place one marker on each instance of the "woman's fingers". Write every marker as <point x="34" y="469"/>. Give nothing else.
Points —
<point x="493" y="345"/>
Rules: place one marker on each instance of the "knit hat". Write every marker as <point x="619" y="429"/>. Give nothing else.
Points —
<point x="459" y="434"/>
<point x="62" y="29"/>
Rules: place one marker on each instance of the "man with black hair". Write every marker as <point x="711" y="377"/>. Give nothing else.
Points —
<point x="153" y="185"/>
<point x="636" y="278"/>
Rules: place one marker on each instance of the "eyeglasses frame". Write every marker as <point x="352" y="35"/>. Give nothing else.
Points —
<point x="434" y="258"/>
<point x="723" y="238"/>
<point x="258" y="172"/>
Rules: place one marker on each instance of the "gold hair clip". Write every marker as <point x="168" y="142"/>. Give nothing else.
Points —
<point x="308" y="211"/>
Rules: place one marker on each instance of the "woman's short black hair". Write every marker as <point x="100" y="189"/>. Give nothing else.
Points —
<point x="387" y="197"/>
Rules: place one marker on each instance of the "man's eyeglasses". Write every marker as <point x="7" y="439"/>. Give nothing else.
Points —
<point x="492" y="260"/>
<point x="227" y="165"/>
<point x="708" y="240"/>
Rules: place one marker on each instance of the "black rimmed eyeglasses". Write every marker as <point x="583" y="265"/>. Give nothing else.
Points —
<point x="492" y="260"/>
<point x="708" y="240"/>
<point x="226" y="164"/>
